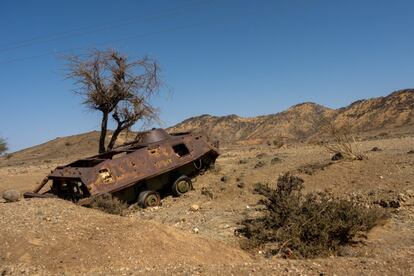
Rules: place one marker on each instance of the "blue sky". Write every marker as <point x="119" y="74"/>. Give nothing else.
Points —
<point x="219" y="57"/>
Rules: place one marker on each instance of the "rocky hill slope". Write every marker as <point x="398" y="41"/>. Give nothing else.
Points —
<point x="302" y="121"/>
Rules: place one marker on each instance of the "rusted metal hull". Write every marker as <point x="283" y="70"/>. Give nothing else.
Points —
<point x="151" y="163"/>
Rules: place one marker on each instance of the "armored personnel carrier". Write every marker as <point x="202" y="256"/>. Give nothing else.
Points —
<point x="156" y="163"/>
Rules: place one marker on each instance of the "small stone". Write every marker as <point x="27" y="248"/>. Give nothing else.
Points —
<point x="383" y="203"/>
<point x="194" y="208"/>
<point x="224" y="178"/>
<point x="11" y="195"/>
<point x="394" y="204"/>
<point x="337" y="156"/>
<point x="376" y="149"/>
<point x="195" y="230"/>
<point x="207" y="192"/>
<point x="240" y="184"/>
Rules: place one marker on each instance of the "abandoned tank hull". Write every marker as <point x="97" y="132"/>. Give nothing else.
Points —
<point x="152" y="164"/>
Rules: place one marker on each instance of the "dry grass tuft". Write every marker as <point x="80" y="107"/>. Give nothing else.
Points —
<point x="108" y="204"/>
<point x="342" y="141"/>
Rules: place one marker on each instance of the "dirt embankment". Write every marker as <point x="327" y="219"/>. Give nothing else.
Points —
<point x="58" y="236"/>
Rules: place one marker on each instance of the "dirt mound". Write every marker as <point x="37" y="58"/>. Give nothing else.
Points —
<point x="55" y="235"/>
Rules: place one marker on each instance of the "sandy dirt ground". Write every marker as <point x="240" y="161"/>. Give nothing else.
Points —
<point x="57" y="237"/>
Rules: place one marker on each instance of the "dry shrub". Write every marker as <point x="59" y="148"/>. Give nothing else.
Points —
<point x="3" y="146"/>
<point x="108" y="204"/>
<point x="275" y="160"/>
<point x="342" y="141"/>
<point x="278" y="144"/>
<point x="260" y="164"/>
<point x="261" y="155"/>
<point x="243" y="161"/>
<point x="302" y="226"/>
<point x="215" y="168"/>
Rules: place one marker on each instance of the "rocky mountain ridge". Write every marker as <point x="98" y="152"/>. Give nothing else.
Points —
<point x="303" y="121"/>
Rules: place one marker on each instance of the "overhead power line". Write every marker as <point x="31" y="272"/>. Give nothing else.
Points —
<point x="61" y="52"/>
<point x="95" y="29"/>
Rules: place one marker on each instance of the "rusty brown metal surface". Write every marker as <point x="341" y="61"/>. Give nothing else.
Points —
<point x="155" y="155"/>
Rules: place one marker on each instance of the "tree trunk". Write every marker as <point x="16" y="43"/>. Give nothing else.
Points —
<point x="104" y="126"/>
<point x="114" y="137"/>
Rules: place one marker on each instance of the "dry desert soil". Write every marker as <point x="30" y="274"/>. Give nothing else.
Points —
<point x="53" y="236"/>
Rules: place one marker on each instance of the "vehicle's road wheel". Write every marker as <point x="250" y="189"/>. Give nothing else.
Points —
<point x="182" y="185"/>
<point x="149" y="199"/>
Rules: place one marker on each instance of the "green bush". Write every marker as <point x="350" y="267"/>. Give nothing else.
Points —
<point x="302" y="226"/>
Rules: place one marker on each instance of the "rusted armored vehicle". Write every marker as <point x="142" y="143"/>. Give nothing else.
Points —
<point x="156" y="163"/>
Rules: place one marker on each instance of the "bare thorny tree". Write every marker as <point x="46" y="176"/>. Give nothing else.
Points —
<point x="116" y="86"/>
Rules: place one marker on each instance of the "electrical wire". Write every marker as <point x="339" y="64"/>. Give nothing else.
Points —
<point x="96" y="29"/>
<point x="99" y="44"/>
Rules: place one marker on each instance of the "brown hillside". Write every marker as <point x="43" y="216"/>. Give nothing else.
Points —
<point x="64" y="148"/>
<point x="299" y="122"/>
<point x="393" y="111"/>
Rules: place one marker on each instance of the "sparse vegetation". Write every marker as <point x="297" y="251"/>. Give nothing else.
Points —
<point x="261" y="155"/>
<point x="3" y="146"/>
<point x="207" y="192"/>
<point x="260" y="164"/>
<point x="278" y="144"/>
<point x="243" y="161"/>
<point x="275" y="160"/>
<point x="311" y="168"/>
<point x="342" y="141"/>
<point x="215" y="169"/>
<point x="108" y="204"/>
<point x="301" y="226"/>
